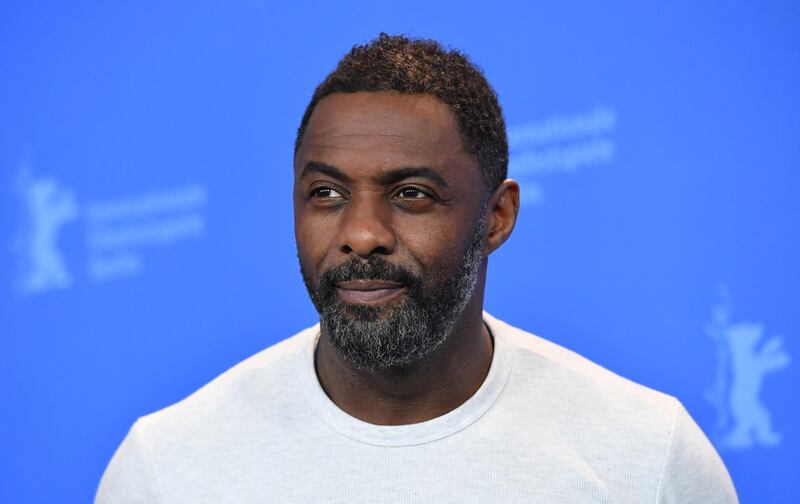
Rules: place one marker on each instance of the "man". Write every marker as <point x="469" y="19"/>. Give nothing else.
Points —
<point x="407" y="391"/>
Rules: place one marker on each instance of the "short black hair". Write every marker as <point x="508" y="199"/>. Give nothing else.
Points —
<point x="420" y="66"/>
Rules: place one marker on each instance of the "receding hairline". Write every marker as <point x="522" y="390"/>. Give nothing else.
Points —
<point x="431" y="98"/>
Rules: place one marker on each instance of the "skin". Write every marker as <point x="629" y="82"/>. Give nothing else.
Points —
<point x="370" y="204"/>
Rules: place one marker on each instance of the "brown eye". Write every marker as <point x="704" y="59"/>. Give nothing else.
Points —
<point x="326" y="193"/>
<point x="412" y="193"/>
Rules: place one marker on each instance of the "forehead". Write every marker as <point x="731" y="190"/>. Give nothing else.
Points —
<point x="383" y="130"/>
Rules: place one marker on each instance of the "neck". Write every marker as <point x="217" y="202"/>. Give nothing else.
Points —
<point x="436" y="385"/>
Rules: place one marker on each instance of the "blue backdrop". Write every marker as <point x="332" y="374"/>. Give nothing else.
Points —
<point x="146" y="237"/>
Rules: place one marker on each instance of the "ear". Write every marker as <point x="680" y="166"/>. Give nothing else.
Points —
<point x="503" y="208"/>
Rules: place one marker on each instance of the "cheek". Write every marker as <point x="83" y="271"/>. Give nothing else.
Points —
<point x="313" y="239"/>
<point x="434" y="244"/>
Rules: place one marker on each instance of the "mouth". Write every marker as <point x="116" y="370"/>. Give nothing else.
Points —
<point x="369" y="292"/>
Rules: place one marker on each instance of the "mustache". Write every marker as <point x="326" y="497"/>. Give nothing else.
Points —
<point x="374" y="268"/>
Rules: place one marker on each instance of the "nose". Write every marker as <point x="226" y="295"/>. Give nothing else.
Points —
<point x="366" y="229"/>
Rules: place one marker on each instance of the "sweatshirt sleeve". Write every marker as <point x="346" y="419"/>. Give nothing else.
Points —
<point x="693" y="471"/>
<point x="129" y="477"/>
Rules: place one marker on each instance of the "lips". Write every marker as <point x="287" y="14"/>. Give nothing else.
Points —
<point x="369" y="291"/>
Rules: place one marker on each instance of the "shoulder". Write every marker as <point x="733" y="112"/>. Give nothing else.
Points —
<point x="264" y="378"/>
<point x="547" y="366"/>
<point x="612" y="422"/>
<point x="247" y="408"/>
<point x="578" y="403"/>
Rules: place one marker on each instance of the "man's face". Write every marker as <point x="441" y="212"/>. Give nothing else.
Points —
<point x="389" y="222"/>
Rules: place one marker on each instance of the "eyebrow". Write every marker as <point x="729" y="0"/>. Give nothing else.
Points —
<point x="390" y="177"/>
<point x="317" y="167"/>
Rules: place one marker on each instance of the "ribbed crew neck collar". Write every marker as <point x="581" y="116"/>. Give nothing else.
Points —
<point x="405" y="435"/>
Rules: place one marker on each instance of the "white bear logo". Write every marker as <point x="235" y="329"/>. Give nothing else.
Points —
<point x="745" y="358"/>
<point x="48" y="206"/>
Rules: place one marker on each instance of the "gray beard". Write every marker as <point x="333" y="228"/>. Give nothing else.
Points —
<point x="394" y="338"/>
